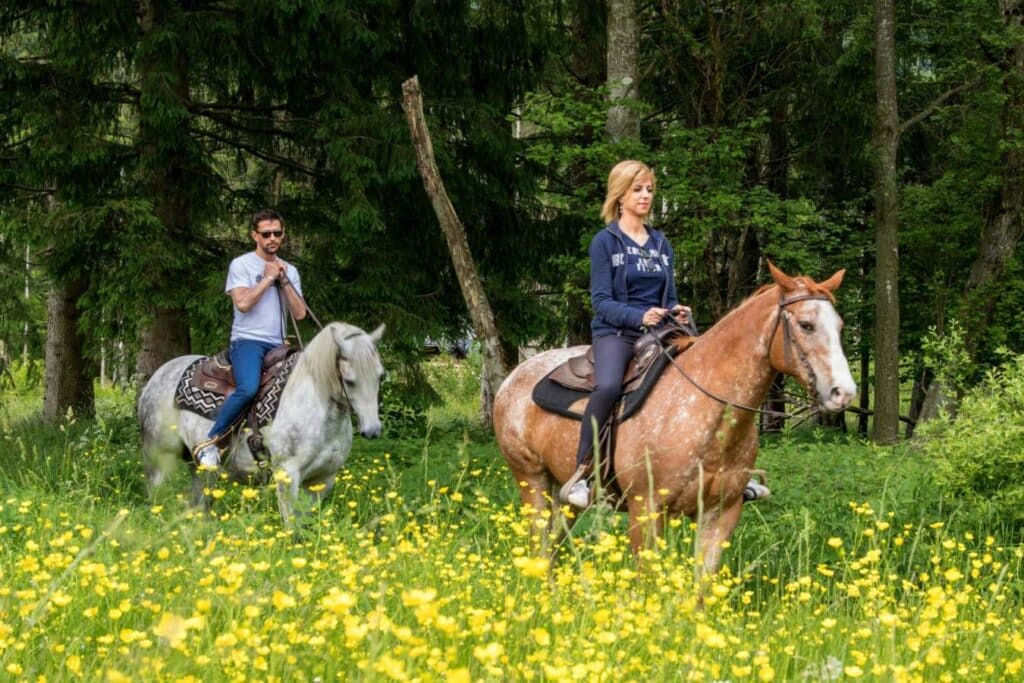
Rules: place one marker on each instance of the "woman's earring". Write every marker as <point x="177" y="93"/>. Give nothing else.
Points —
<point x="618" y="209"/>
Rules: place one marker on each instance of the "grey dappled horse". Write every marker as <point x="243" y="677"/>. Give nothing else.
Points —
<point x="337" y="374"/>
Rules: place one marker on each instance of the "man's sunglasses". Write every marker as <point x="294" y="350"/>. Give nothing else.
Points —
<point x="267" y="233"/>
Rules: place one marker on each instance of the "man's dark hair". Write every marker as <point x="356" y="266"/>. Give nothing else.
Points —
<point x="265" y="215"/>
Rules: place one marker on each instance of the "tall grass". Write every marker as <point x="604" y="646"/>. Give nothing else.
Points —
<point x="419" y="568"/>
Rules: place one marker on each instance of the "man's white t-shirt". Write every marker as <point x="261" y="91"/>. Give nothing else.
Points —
<point x="262" y="322"/>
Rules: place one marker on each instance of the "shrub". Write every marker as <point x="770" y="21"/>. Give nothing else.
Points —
<point x="979" y="453"/>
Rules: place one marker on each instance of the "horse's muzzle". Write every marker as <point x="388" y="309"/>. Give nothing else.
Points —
<point x="371" y="432"/>
<point x="839" y="398"/>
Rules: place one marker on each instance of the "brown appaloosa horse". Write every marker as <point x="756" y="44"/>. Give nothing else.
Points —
<point x="682" y="436"/>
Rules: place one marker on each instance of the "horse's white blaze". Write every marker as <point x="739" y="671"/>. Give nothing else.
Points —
<point x="836" y="387"/>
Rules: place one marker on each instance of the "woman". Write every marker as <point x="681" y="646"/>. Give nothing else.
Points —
<point x="632" y="288"/>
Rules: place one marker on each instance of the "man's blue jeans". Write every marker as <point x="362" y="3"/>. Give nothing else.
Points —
<point x="247" y="365"/>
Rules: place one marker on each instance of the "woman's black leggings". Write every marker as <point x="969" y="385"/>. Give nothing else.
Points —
<point x="612" y="354"/>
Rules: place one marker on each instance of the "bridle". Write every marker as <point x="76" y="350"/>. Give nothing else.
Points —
<point x="789" y="342"/>
<point x="347" y="407"/>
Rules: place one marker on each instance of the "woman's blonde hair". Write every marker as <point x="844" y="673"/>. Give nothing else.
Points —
<point x="619" y="181"/>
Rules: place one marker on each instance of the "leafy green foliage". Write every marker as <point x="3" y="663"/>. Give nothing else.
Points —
<point x="947" y="356"/>
<point x="79" y="459"/>
<point x="132" y="147"/>
<point x="22" y="309"/>
<point x="979" y="454"/>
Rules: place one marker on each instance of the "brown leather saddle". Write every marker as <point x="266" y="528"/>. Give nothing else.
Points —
<point x="565" y="390"/>
<point x="214" y="373"/>
<point x="577" y="373"/>
<point x="206" y="383"/>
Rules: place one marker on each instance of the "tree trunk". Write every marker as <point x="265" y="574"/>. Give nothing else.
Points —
<point x="741" y="269"/>
<point x="865" y="373"/>
<point x="67" y="375"/>
<point x="623" y="74"/>
<point x="588" y="60"/>
<point x="166" y="337"/>
<point x="494" y="367"/>
<point x="917" y="397"/>
<point x="1001" y="231"/>
<point x="777" y="402"/>
<point x="887" y="303"/>
<point x="28" y="294"/>
<point x="588" y="63"/>
<point x="776" y="173"/>
<point x="165" y="89"/>
<point x="832" y="420"/>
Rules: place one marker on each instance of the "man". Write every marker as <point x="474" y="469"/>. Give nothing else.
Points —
<point x="256" y="282"/>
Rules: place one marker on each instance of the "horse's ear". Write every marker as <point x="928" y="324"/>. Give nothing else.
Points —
<point x="832" y="284"/>
<point x="344" y="345"/>
<point x="787" y="283"/>
<point x="377" y="333"/>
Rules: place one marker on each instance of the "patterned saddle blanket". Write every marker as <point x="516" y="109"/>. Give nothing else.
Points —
<point x="206" y="384"/>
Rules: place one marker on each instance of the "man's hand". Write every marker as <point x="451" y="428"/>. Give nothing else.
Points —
<point x="274" y="270"/>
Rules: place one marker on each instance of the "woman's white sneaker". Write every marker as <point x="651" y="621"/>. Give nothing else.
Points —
<point x="578" y="494"/>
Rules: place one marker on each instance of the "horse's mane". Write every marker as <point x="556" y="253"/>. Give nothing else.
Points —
<point x="810" y="285"/>
<point x="320" y="357"/>
<point x="807" y="283"/>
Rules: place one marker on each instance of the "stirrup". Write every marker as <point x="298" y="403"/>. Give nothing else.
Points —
<point x="198" y="448"/>
<point x="579" y="476"/>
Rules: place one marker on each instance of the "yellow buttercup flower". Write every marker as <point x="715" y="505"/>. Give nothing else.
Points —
<point x="415" y="597"/>
<point x="282" y="601"/>
<point x="171" y="628"/>
<point x="337" y="602"/>
<point x="533" y="567"/>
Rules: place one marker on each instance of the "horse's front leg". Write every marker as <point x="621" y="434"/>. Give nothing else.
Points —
<point x="319" y="489"/>
<point x="202" y="484"/>
<point x="716" y="528"/>
<point x="537" y="491"/>
<point x="288" y="479"/>
<point x="646" y="521"/>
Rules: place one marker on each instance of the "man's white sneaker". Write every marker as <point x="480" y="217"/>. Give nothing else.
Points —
<point x="755" y="490"/>
<point x="578" y="494"/>
<point x="209" y="457"/>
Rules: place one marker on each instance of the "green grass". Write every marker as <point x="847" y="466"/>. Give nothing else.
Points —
<point x="418" y="567"/>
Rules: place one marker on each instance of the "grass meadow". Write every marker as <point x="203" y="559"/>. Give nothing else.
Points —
<point x="418" y="568"/>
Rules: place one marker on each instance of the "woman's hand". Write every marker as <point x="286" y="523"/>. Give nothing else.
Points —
<point x="654" y="315"/>
<point x="683" y="314"/>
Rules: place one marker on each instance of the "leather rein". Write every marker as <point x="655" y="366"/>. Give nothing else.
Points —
<point x="286" y="314"/>
<point x="788" y="342"/>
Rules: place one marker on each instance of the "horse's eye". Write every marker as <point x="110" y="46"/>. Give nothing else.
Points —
<point x="806" y="326"/>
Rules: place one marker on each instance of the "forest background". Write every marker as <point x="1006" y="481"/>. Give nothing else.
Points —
<point x="137" y="136"/>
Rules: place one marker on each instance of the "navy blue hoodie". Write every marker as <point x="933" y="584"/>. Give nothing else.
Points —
<point x="609" y="293"/>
